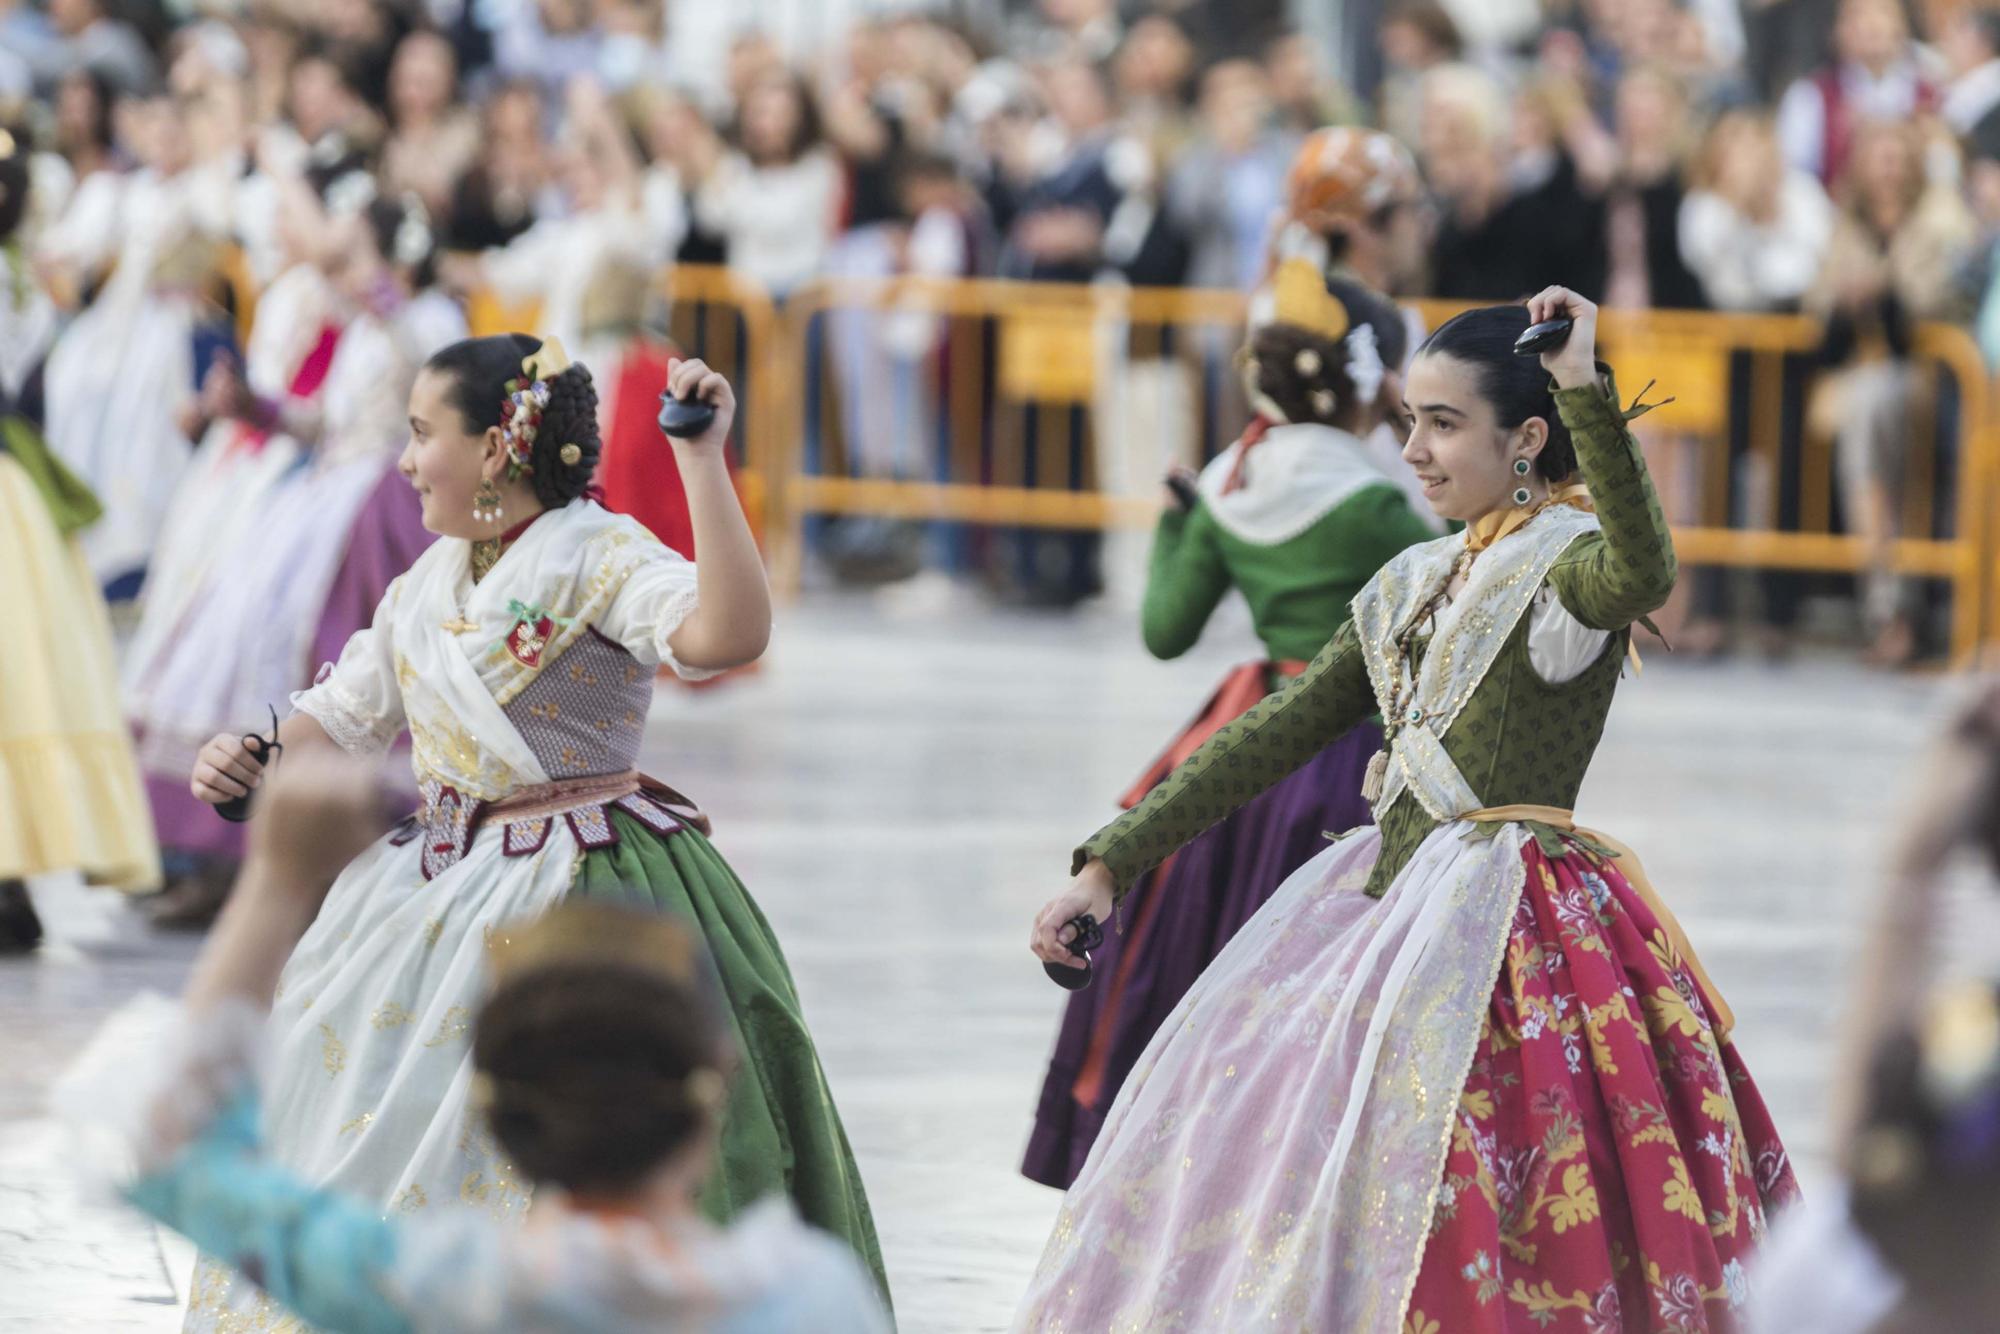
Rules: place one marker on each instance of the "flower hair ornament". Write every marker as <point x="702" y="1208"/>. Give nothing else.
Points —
<point x="1364" y="362"/>
<point x="527" y="398"/>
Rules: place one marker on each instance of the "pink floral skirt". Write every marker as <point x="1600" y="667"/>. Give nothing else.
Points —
<point x="1611" y="1164"/>
<point x="1493" y="1099"/>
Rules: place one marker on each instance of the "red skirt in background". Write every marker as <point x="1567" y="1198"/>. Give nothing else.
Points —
<point x="638" y="473"/>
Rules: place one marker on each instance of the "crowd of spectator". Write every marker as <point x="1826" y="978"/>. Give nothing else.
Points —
<point x="1838" y="157"/>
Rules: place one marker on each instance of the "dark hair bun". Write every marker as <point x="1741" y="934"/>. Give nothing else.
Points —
<point x="598" y="1072"/>
<point x="480" y="369"/>
<point x="1306" y="374"/>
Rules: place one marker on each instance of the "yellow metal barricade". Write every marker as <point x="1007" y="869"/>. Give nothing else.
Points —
<point x="1012" y="405"/>
<point x="1019" y="378"/>
<point x="727" y="321"/>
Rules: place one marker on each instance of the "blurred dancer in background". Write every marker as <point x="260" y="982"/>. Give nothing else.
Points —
<point x="1297" y="517"/>
<point x="69" y="791"/>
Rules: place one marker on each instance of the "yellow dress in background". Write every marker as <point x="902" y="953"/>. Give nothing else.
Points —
<point x="70" y="797"/>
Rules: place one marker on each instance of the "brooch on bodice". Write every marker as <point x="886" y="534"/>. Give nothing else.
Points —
<point x="530" y="628"/>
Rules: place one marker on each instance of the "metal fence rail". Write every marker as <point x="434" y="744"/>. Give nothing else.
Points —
<point x="1031" y="405"/>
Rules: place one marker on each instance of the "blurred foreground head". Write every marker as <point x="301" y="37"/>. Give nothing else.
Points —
<point x="602" y="1053"/>
<point x="1924" y="1169"/>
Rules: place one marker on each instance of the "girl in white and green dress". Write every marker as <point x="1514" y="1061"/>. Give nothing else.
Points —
<point x="519" y="651"/>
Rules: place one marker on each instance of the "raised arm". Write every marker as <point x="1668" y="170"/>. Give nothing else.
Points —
<point x="731" y="623"/>
<point x="323" y="1256"/>
<point x="1610" y="579"/>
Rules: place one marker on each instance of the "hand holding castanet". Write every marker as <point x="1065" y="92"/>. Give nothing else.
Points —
<point x="698" y="405"/>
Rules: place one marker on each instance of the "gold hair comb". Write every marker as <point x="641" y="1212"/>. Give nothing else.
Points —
<point x="546" y="362"/>
<point x="1304" y="302"/>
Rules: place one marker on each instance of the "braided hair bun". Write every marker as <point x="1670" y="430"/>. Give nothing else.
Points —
<point x="479" y="370"/>
<point x="560" y="474"/>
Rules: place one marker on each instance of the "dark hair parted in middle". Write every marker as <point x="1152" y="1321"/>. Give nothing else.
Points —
<point x="1516" y="386"/>
<point x="479" y="369"/>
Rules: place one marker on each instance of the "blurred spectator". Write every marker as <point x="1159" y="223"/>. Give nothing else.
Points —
<point x="433" y="140"/>
<point x="1876" y="74"/>
<point x="683" y="147"/>
<point x="1655" y="134"/>
<point x="1752" y="229"/>
<point x="1062" y="178"/>
<point x="84" y="132"/>
<point x="1754" y="233"/>
<point x="1154" y="77"/>
<point x="1480" y="252"/>
<point x="1417" y="37"/>
<point x="1304" y="97"/>
<point x="1971" y="47"/>
<point x="870" y="115"/>
<point x="1897" y="243"/>
<point x="1229" y="184"/>
<point x="1563" y="163"/>
<point x="777" y="197"/>
<point x="1981" y="281"/>
<point x="499" y="198"/>
<point x="332" y="128"/>
<point x="1517" y="211"/>
<point x="78" y="34"/>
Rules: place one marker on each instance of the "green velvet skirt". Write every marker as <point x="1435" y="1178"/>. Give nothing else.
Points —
<point x="781" y="1131"/>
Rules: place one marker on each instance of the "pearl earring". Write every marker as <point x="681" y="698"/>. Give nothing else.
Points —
<point x="486" y="503"/>
<point x="1521" y="493"/>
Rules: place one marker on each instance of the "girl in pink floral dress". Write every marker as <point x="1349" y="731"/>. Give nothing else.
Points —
<point x="1462" y="1074"/>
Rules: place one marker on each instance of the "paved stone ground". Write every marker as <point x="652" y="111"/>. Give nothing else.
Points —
<point x="900" y="786"/>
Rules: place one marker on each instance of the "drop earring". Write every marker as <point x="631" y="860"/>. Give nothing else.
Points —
<point x="1522" y="495"/>
<point x="486" y="503"/>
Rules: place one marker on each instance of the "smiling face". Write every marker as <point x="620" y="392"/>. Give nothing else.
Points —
<point x="445" y="462"/>
<point x="1457" y="447"/>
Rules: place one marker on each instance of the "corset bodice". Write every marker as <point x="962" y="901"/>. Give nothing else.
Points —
<point x="585" y="714"/>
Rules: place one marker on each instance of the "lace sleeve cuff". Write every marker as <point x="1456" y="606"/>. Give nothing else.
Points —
<point x="673" y="614"/>
<point x="343" y="719"/>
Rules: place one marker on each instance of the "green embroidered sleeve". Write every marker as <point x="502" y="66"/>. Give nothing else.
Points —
<point x="1271" y="740"/>
<point x="1188" y="578"/>
<point x="1610" y="579"/>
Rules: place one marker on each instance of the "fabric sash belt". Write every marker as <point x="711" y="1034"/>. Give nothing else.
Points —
<point x="549" y="799"/>
<point x="1635" y="875"/>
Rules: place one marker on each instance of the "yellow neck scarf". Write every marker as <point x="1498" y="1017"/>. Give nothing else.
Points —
<point x="1489" y="528"/>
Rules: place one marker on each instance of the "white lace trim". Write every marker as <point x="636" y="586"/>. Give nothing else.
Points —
<point x="342" y="718"/>
<point x="151" y="1081"/>
<point x="672" y="616"/>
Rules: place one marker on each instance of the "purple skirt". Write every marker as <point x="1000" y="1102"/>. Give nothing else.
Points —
<point x="1174" y="921"/>
<point x="387" y="537"/>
